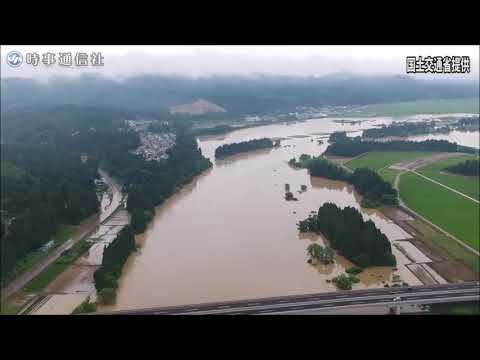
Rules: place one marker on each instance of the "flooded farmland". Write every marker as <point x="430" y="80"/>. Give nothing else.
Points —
<point x="230" y="234"/>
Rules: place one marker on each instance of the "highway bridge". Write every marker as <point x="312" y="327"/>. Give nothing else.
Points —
<point x="392" y="297"/>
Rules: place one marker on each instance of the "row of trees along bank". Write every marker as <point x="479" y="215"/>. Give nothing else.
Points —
<point x="468" y="168"/>
<point x="114" y="257"/>
<point x="149" y="183"/>
<point x="244" y="146"/>
<point x="374" y="189"/>
<point x="349" y="147"/>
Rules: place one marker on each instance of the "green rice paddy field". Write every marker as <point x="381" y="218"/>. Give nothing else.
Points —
<point x="377" y="160"/>
<point x="388" y="175"/>
<point x="468" y="185"/>
<point x="457" y="215"/>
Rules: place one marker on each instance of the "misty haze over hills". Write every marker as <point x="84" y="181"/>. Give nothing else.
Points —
<point x="239" y="95"/>
<point x="122" y="62"/>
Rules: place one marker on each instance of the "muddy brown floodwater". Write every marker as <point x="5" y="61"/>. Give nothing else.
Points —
<point x="230" y="234"/>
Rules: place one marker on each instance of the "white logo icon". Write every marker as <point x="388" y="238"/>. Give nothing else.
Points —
<point x="14" y="59"/>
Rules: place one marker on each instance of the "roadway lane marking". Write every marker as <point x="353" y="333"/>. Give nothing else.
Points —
<point x="224" y="306"/>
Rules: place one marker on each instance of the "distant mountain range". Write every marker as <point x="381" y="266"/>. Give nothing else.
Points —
<point x="237" y="95"/>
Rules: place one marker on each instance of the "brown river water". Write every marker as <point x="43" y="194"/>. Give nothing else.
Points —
<point x="230" y="234"/>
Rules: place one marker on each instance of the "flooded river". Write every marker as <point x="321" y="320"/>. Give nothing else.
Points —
<point x="230" y="234"/>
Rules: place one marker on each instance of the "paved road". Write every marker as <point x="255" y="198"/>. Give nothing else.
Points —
<point x="315" y="303"/>
<point x="21" y="281"/>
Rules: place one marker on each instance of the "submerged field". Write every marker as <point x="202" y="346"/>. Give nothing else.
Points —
<point x="452" y="212"/>
<point x="445" y="106"/>
<point x="377" y="160"/>
<point x="468" y="185"/>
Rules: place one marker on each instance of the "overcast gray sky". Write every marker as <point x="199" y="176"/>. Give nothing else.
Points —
<point x="125" y="61"/>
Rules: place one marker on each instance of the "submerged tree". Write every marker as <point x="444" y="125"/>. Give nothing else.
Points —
<point x="320" y="253"/>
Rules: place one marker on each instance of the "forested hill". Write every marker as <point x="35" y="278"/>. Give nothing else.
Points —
<point x="70" y="127"/>
<point x="41" y="188"/>
<point x="238" y="95"/>
<point x="44" y="180"/>
<point x="47" y="182"/>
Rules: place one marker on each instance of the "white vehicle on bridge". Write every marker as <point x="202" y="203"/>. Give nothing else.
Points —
<point x="397" y="298"/>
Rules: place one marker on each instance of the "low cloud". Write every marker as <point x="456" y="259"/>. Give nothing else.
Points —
<point x="260" y="60"/>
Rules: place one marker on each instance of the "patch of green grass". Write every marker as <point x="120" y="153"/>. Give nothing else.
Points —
<point x="388" y="175"/>
<point x="439" y="106"/>
<point x="455" y="250"/>
<point x="450" y="211"/>
<point x="468" y="185"/>
<point x="377" y="160"/>
<point x="24" y="264"/>
<point x="50" y="273"/>
<point x="8" y="309"/>
<point x="63" y="234"/>
<point x="85" y="307"/>
<point x="45" y="277"/>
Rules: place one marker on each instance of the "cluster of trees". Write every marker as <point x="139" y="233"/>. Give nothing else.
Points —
<point x="375" y="190"/>
<point x="469" y="123"/>
<point x="345" y="281"/>
<point x="319" y="166"/>
<point x="148" y="184"/>
<point x="337" y="136"/>
<point x="400" y="129"/>
<point x="41" y="188"/>
<point x="303" y="161"/>
<point x="70" y="128"/>
<point x="45" y="183"/>
<point x="85" y="307"/>
<point x="354" y="147"/>
<point x="322" y="254"/>
<point x="235" y="148"/>
<point x="359" y="241"/>
<point x="114" y="257"/>
<point x="468" y="167"/>
<point x="223" y="129"/>
<point x="354" y="270"/>
<point x="215" y="130"/>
